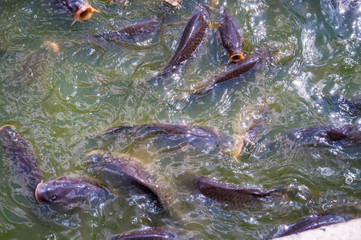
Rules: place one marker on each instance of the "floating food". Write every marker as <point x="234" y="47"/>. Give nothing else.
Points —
<point x="193" y="35"/>
<point x="235" y="70"/>
<point x="82" y="10"/>
<point x="120" y="170"/>
<point x="71" y="192"/>
<point x="233" y="195"/>
<point x="133" y="32"/>
<point x="231" y="37"/>
<point x="228" y="145"/>
<point x="149" y="233"/>
<point x="21" y="154"/>
<point x="174" y="3"/>
<point x="348" y="136"/>
<point x="311" y="222"/>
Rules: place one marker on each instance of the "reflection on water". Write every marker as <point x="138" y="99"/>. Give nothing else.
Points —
<point x="63" y="103"/>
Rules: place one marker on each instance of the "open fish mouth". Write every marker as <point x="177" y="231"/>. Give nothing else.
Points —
<point x="236" y="57"/>
<point x="174" y="3"/>
<point x="84" y="13"/>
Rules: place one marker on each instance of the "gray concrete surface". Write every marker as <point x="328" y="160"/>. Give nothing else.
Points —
<point x="350" y="230"/>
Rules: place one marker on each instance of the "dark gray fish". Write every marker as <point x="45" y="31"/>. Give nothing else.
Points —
<point x="133" y="32"/>
<point x="143" y="234"/>
<point x="225" y="143"/>
<point x="311" y="222"/>
<point x="231" y="37"/>
<point x="350" y="105"/>
<point x="82" y="10"/>
<point x="233" y="195"/>
<point x="235" y="70"/>
<point x="71" y="192"/>
<point x="119" y="170"/>
<point x="347" y="136"/>
<point x="193" y="35"/>
<point x="21" y="154"/>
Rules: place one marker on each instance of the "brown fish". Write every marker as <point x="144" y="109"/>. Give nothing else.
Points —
<point x="82" y="10"/>
<point x="311" y="222"/>
<point x="192" y="36"/>
<point x="234" y="195"/>
<point x="117" y="171"/>
<point x="70" y="192"/>
<point x="134" y="31"/>
<point x="149" y="233"/>
<point x="235" y="70"/>
<point x="231" y="37"/>
<point x="227" y="144"/>
<point x="21" y="154"/>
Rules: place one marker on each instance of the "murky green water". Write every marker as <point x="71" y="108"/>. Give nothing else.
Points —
<point x="58" y="102"/>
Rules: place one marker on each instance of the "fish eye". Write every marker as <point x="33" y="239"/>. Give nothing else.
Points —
<point x="53" y="198"/>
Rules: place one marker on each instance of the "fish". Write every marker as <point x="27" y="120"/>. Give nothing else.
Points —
<point x="174" y="3"/>
<point x="22" y="157"/>
<point x="71" y="192"/>
<point x="235" y="70"/>
<point x="231" y="146"/>
<point x="193" y="34"/>
<point x="311" y="222"/>
<point x="147" y="233"/>
<point x="82" y="10"/>
<point x="231" y="195"/>
<point x="134" y="31"/>
<point x="350" y="105"/>
<point x="231" y="37"/>
<point x="120" y="170"/>
<point x="346" y="136"/>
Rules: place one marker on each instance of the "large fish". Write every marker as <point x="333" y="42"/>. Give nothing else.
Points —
<point x="231" y="195"/>
<point x="23" y="162"/>
<point x="118" y="171"/>
<point x="235" y="70"/>
<point x="149" y="234"/>
<point x="81" y="10"/>
<point x="133" y="32"/>
<point x="311" y="222"/>
<point x="231" y="37"/>
<point x="347" y="136"/>
<point x="192" y="36"/>
<point x="208" y="136"/>
<point x="71" y="192"/>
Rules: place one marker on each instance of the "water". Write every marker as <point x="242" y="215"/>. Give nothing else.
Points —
<point x="59" y="101"/>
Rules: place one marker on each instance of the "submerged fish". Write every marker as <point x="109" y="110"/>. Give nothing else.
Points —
<point x="21" y="154"/>
<point x="311" y="222"/>
<point x="235" y="70"/>
<point x="348" y="136"/>
<point x="138" y="30"/>
<point x="82" y="10"/>
<point x="233" y="195"/>
<point x="149" y="233"/>
<point x="192" y="36"/>
<point x="227" y="144"/>
<point x="120" y="170"/>
<point x="349" y="105"/>
<point x="70" y="192"/>
<point x="231" y="37"/>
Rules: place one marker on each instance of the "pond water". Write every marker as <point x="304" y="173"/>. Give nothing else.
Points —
<point x="59" y="101"/>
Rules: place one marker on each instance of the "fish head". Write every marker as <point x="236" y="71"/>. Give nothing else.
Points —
<point x="84" y="13"/>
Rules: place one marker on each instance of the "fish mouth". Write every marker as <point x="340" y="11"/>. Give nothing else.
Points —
<point x="236" y="57"/>
<point x="84" y="13"/>
<point x="174" y="3"/>
<point x="37" y="192"/>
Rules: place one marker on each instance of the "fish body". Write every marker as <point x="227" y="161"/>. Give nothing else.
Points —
<point x="149" y="234"/>
<point x="192" y="36"/>
<point x="235" y="70"/>
<point x="117" y="171"/>
<point x="70" y="192"/>
<point x="134" y="31"/>
<point x="226" y="143"/>
<point x="311" y="222"/>
<point x="348" y="136"/>
<point x="82" y="10"/>
<point x="233" y="195"/>
<point x="231" y="37"/>
<point x="21" y="154"/>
